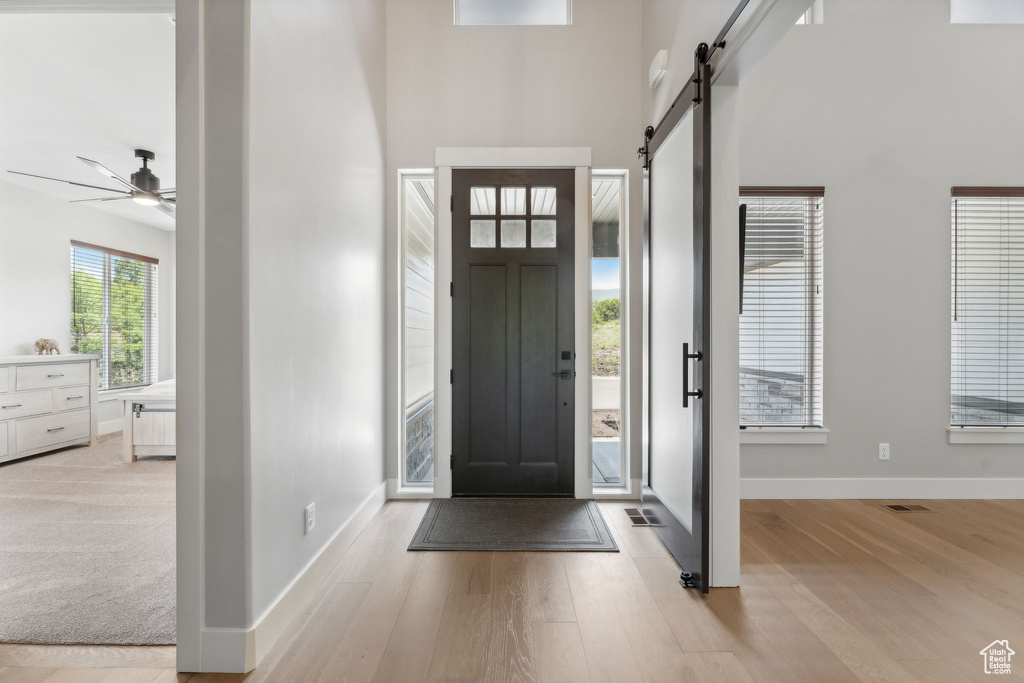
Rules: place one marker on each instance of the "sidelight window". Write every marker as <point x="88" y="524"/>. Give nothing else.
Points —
<point x="781" y="308"/>
<point x="987" y="318"/>
<point x="607" y="332"/>
<point x="418" y="327"/>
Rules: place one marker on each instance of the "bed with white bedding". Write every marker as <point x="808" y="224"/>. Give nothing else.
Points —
<point x="149" y="421"/>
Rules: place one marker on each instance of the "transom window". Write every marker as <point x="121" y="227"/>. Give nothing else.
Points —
<point x="513" y="12"/>
<point x="987" y="317"/>
<point x="781" y="308"/>
<point x="114" y="313"/>
<point x="506" y="220"/>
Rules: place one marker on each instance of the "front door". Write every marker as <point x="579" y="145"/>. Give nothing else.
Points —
<point x="512" y="306"/>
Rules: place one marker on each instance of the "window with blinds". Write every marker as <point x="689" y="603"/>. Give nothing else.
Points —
<point x="781" y="311"/>
<point x="987" y="373"/>
<point x="114" y="313"/>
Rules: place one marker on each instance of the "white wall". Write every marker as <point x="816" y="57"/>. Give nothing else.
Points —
<point x="513" y="86"/>
<point x="887" y="132"/>
<point x="316" y="275"/>
<point x="35" y="258"/>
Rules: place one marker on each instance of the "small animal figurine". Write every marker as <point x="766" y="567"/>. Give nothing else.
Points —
<point x="47" y="345"/>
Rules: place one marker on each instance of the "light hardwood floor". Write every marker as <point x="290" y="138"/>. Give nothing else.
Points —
<point x="832" y="591"/>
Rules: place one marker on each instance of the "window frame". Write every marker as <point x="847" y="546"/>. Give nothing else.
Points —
<point x="412" y="489"/>
<point x="151" y="333"/>
<point x="794" y="432"/>
<point x="973" y="432"/>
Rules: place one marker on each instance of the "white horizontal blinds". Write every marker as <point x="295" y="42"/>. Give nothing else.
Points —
<point x="781" y="322"/>
<point x="987" y="374"/>
<point x="114" y="313"/>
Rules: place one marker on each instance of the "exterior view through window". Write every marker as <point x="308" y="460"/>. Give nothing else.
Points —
<point x="509" y="13"/>
<point x="987" y="373"/>
<point x="418" y="328"/>
<point x="114" y="313"/>
<point x="606" y="319"/>
<point x="781" y="310"/>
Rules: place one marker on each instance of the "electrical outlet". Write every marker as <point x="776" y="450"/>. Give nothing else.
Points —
<point x="310" y="517"/>
<point x="883" y="451"/>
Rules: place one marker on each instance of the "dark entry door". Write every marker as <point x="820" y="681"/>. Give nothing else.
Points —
<point x="513" y="370"/>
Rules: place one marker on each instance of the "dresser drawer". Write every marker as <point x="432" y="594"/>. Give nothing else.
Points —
<point x="56" y="375"/>
<point x="71" y="398"/>
<point x="5" y="374"/>
<point x="37" y="432"/>
<point x="3" y="439"/>
<point x="26" y="403"/>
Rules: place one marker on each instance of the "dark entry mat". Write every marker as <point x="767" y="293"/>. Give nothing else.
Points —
<point x="513" y="524"/>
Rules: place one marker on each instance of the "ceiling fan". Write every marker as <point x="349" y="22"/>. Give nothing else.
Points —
<point x="144" y="188"/>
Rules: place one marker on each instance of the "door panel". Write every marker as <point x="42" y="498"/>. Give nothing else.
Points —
<point x="671" y="268"/>
<point x="538" y="346"/>
<point x="512" y="317"/>
<point x="677" y="315"/>
<point x="488" y="332"/>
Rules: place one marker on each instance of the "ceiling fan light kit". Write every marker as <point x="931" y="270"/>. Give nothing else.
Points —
<point x="143" y="189"/>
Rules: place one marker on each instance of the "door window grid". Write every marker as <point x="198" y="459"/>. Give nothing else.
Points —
<point x="513" y="233"/>
<point x="987" y="317"/>
<point x="781" y="319"/>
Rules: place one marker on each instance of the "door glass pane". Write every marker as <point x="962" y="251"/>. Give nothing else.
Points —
<point x="605" y="279"/>
<point x="671" y="321"/>
<point x="513" y="201"/>
<point x="481" y="201"/>
<point x="513" y="233"/>
<point x="418" y="333"/>
<point x="543" y="201"/>
<point x="543" y="233"/>
<point x="481" y="233"/>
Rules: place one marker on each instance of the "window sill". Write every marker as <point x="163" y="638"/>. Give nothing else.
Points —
<point x="794" y="436"/>
<point x="981" y="435"/>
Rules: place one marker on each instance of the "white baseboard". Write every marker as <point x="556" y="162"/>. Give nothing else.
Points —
<point x="272" y="623"/>
<point x="934" y="488"/>
<point x="111" y="426"/>
<point x="224" y="650"/>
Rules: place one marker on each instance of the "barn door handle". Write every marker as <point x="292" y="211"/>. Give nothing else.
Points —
<point x="687" y="357"/>
<point x="564" y="374"/>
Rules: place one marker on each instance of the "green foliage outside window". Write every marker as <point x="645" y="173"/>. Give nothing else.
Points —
<point x="125" y="351"/>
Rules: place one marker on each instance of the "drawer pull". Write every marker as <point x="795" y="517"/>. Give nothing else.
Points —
<point x="72" y="398"/>
<point x="11" y="405"/>
<point x="54" y="429"/>
<point x="55" y="374"/>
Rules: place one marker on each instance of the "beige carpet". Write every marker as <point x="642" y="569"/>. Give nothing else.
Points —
<point x="87" y="548"/>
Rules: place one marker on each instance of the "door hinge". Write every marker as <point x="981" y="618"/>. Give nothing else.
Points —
<point x="451" y="462"/>
<point x="451" y="289"/>
<point x="451" y="377"/>
<point x="451" y="202"/>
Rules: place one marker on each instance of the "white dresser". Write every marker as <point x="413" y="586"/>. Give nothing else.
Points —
<point x="46" y="402"/>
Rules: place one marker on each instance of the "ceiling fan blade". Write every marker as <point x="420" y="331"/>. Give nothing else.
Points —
<point x="69" y="182"/>
<point x="166" y="208"/>
<point x="169" y="190"/>
<point x="107" y="172"/>
<point x="102" y="199"/>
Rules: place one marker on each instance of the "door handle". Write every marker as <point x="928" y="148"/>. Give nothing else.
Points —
<point x="687" y="357"/>
<point x="564" y="374"/>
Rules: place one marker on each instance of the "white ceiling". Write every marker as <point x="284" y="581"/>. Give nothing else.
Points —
<point x="94" y="85"/>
